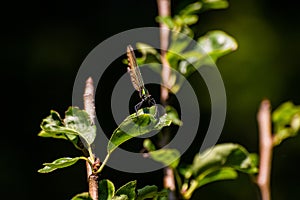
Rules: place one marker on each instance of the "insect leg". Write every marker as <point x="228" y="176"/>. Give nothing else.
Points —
<point x="138" y="106"/>
<point x="152" y="101"/>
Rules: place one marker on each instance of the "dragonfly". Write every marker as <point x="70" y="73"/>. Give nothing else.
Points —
<point x="137" y="80"/>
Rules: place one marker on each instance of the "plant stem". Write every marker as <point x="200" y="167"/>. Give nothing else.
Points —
<point x="93" y="186"/>
<point x="103" y="163"/>
<point x="266" y="147"/>
<point x="164" y="9"/>
<point x="88" y="98"/>
<point x="89" y="107"/>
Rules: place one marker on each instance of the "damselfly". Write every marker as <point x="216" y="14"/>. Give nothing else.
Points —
<point x="137" y="80"/>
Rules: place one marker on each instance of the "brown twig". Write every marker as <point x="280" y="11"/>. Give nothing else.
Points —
<point x="89" y="107"/>
<point x="164" y="9"/>
<point x="88" y="98"/>
<point x="266" y="147"/>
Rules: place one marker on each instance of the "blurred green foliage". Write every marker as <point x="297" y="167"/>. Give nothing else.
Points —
<point x="46" y="43"/>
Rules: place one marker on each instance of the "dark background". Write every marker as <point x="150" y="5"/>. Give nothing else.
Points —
<point x="44" y="43"/>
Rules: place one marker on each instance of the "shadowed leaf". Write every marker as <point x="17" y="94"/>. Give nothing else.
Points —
<point x="128" y="189"/>
<point x="150" y="192"/>
<point x="82" y="196"/>
<point x="106" y="190"/>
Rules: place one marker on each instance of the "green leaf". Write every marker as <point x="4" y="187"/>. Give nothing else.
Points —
<point x="177" y="45"/>
<point x="210" y="47"/>
<point x="186" y="171"/>
<point x="183" y="21"/>
<point x="210" y="176"/>
<point x="173" y="115"/>
<point x="147" y="49"/>
<point x="106" y="190"/>
<point x="136" y="125"/>
<point x="53" y="126"/>
<point x="286" y="120"/>
<point x="168" y="157"/>
<point x="224" y="155"/>
<point x="147" y="144"/>
<point x="221" y="162"/>
<point x="214" y="4"/>
<point x="82" y="196"/>
<point x="216" y="175"/>
<point x="121" y="197"/>
<point x="150" y="57"/>
<point x="128" y="189"/>
<point x="167" y="20"/>
<point x="59" y="163"/>
<point x="79" y="121"/>
<point x="76" y="123"/>
<point x="189" y="19"/>
<point x="217" y="43"/>
<point x="191" y="9"/>
<point x="150" y="192"/>
<point x="163" y="121"/>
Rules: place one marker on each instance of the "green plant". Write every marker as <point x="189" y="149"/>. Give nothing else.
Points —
<point x="221" y="162"/>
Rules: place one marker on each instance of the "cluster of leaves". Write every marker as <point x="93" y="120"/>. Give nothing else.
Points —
<point x="221" y="162"/>
<point x="76" y="125"/>
<point x="224" y="161"/>
<point x="78" y="129"/>
<point x="185" y="53"/>
<point x="126" y="192"/>
<point x="189" y="15"/>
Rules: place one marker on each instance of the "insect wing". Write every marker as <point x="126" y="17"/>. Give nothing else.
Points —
<point x="134" y="71"/>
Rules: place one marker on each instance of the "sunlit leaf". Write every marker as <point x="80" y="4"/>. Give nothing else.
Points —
<point x="168" y="157"/>
<point x="189" y="19"/>
<point x="53" y="126"/>
<point x="163" y="121"/>
<point x="128" y="189"/>
<point x="79" y="121"/>
<point x="82" y="196"/>
<point x="217" y="44"/>
<point x="106" y="190"/>
<point x="214" y="4"/>
<point x="165" y="20"/>
<point x="224" y="155"/>
<point x="121" y="197"/>
<point x="150" y="57"/>
<point x="76" y="124"/>
<point x="216" y="175"/>
<point x="286" y="120"/>
<point x="191" y="8"/>
<point x="173" y="115"/>
<point x="136" y="125"/>
<point x="147" y="49"/>
<point x="221" y="162"/>
<point x="59" y="163"/>
<point x="147" y="144"/>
